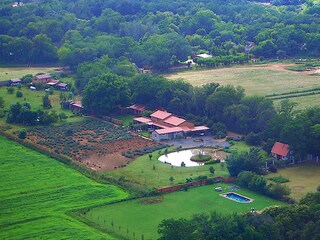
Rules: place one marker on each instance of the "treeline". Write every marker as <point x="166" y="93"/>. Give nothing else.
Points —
<point x="155" y="33"/>
<point x="300" y="221"/>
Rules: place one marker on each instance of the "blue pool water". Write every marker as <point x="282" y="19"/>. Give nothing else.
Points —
<point x="237" y="197"/>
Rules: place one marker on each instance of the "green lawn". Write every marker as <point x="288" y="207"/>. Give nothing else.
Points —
<point x="303" y="178"/>
<point x="155" y="174"/>
<point x="37" y="191"/>
<point x="132" y="218"/>
<point x="7" y="73"/>
<point x="125" y="119"/>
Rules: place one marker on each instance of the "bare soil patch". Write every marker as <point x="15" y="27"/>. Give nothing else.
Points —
<point x="96" y="144"/>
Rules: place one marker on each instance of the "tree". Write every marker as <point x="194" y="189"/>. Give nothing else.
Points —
<point x="171" y="179"/>
<point x="171" y="229"/>
<point x="103" y="94"/>
<point x="22" y="134"/>
<point x="46" y="103"/>
<point x="2" y="102"/>
<point x="43" y="49"/>
<point x="212" y="170"/>
<point x="10" y="90"/>
<point x="19" y="94"/>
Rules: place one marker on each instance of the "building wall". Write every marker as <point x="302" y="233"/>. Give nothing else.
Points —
<point x="187" y="124"/>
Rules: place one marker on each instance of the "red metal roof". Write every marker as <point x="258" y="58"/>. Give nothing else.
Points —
<point x="280" y="149"/>
<point x="160" y="114"/>
<point x="175" y="121"/>
<point x="62" y="85"/>
<point x="43" y="76"/>
<point x="53" y="82"/>
<point x="142" y="119"/>
<point x="169" y="130"/>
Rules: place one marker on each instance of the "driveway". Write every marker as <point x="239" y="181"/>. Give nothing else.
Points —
<point x="206" y="141"/>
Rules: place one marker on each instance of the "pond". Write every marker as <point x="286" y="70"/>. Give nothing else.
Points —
<point x="176" y="158"/>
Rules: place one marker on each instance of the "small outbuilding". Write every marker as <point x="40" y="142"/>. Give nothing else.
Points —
<point x="281" y="151"/>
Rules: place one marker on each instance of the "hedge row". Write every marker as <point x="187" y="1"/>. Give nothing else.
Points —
<point x="133" y="154"/>
<point x="293" y="92"/>
<point x="293" y="96"/>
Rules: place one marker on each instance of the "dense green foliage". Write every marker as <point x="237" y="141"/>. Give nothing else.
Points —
<point x="288" y="222"/>
<point x="37" y="191"/>
<point x="155" y="33"/>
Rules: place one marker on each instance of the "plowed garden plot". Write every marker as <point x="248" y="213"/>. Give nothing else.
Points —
<point x="96" y="144"/>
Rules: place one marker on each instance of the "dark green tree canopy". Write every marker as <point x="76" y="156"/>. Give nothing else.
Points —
<point x="106" y="92"/>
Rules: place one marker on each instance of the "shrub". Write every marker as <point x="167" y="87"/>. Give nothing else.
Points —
<point x="22" y="134"/>
<point x="278" y="191"/>
<point x="318" y="188"/>
<point x="10" y="90"/>
<point x="200" y="158"/>
<point x="273" y="168"/>
<point x="19" y="94"/>
<point x="279" y="179"/>
<point x="212" y="162"/>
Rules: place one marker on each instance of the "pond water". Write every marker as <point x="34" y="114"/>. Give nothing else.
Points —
<point x="176" y="158"/>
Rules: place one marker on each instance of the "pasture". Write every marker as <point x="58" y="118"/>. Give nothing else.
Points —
<point x="7" y="73"/>
<point x="261" y="80"/>
<point x="136" y="218"/>
<point x="37" y="191"/>
<point x="303" y="178"/>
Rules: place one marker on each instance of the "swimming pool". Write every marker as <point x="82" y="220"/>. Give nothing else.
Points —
<point x="236" y="197"/>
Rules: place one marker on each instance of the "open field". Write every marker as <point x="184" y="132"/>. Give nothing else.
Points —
<point x="256" y="79"/>
<point x="37" y="191"/>
<point x="304" y="102"/>
<point x="303" y="178"/>
<point x="7" y="73"/>
<point x="142" y="216"/>
<point x="155" y="174"/>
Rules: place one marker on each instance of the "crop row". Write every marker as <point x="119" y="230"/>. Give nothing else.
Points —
<point x="133" y="154"/>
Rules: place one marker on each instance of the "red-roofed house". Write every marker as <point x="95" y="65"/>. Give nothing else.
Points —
<point x="280" y="151"/>
<point x="43" y="78"/>
<point x="160" y="115"/>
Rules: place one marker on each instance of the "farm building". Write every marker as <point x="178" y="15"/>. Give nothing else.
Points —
<point x="43" y="78"/>
<point x="281" y="151"/>
<point x="15" y="82"/>
<point x="136" y="109"/>
<point x="165" y="126"/>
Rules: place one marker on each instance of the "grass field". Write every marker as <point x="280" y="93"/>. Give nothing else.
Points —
<point x="304" y="102"/>
<point x="155" y="174"/>
<point x="303" y="178"/>
<point x="256" y="79"/>
<point x="7" y="73"/>
<point x="132" y="218"/>
<point x="37" y="191"/>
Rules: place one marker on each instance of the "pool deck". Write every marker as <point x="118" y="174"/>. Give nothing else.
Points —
<point x="207" y="141"/>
